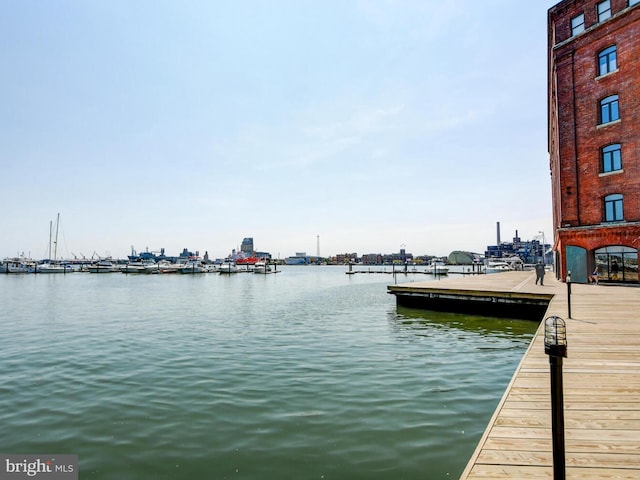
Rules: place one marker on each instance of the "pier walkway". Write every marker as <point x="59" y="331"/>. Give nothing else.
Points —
<point x="601" y="386"/>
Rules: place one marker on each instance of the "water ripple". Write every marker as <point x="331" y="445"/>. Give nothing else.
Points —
<point x="306" y="374"/>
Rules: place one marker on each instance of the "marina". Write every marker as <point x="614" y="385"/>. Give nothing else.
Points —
<point x="192" y="263"/>
<point x="189" y="266"/>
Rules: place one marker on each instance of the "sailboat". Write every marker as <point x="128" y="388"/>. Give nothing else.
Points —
<point x="49" y="266"/>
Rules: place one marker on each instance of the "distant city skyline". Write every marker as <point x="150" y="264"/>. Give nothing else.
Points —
<point x="195" y="124"/>
<point x="63" y="253"/>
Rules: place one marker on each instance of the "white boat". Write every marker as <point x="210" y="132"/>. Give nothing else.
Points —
<point x="53" y="266"/>
<point x="73" y="267"/>
<point x="17" y="265"/>
<point x="193" y="265"/>
<point x="103" y="266"/>
<point x="163" y="266"/>
<point x="497" y="267"/>
<point x="228" y="266"/>
<point x="437" y="267"/>
<point x="48" y="267"/>
<point x="262" y="268"/>
<point x="133" y="267"/>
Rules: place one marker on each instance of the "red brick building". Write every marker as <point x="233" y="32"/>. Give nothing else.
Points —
<point x="594" y="137"/>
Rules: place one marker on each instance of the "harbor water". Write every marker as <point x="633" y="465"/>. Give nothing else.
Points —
<point x="305" y="374"/>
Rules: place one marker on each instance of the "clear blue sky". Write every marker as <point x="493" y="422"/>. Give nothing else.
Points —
<point x="371" y="124"/>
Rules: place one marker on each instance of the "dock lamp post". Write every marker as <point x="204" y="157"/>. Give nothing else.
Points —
<point x="544" y="242"/>
<point x="569" y="294"/>
<point x="555" y="345"/>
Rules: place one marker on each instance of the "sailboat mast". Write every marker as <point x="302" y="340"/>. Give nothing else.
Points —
<point x="50" y="234"/>
<point x="55" y="250"/>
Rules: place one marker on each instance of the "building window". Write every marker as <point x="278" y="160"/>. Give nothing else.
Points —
<point x="609" y="109"/>
<point x="613" y="208"/>
<point x="577" y="24"/>
<point x="633" y="2"/>
<point x="617" y="263"/>
<point x="604" y="10"/>
<point x="611" y="158"/>
<point x="608" y="60"/>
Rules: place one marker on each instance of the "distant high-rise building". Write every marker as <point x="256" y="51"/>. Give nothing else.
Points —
<point x="594" y="137"/>
<point x="247" y="246"/>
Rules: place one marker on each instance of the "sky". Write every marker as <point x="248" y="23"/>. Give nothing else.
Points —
<point x="352" y="125"/>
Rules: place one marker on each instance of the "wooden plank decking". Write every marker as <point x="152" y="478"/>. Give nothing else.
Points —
<point x="601" y="388"/>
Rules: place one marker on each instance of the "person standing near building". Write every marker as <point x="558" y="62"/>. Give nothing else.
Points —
<point x="540" y="273"/>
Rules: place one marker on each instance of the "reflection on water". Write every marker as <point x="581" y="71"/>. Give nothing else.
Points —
<point x="424" y="320"/>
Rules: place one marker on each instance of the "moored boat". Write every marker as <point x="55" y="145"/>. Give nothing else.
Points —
<point x="193" y="265"/>
<point x="497" y="267"/>
<point x="228" y="266"/>
<point x="133" y="267"/>
<point x="252" y="260"/>
<point x="437" y="267"/>
<point x="48" y="267"/>
<point x="17" y="265"/>
<point x="262" y="268"/>
<point x="54" y="266"/>
<point x="103" y="266"/>
<point x="163" y="266"/>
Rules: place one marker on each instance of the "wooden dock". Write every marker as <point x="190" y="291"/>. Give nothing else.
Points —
<point x="492" y="295"/>
<point x="601" y="387"/>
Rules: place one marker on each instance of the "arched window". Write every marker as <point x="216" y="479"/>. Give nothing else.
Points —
<point x="609" y="109"/>
<point x="608" y="60"/>
<point x="613" y="208"/>
<point x="611" y="158"/>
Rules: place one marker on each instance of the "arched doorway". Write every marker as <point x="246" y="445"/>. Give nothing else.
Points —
<point x="617" y="263"/>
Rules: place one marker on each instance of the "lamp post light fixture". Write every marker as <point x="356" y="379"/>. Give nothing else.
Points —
<point x="555" y="337"/>
<point x="555" y="345"/>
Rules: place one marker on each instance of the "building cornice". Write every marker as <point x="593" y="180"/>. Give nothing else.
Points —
<point x="599" y="226"/>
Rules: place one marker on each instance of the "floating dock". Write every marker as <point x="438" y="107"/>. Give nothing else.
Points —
<point x="498" y="295"/>
<point x="601" y="383"/>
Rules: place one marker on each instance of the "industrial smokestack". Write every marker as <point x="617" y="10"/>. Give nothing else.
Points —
<point x="498" y="232"/>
